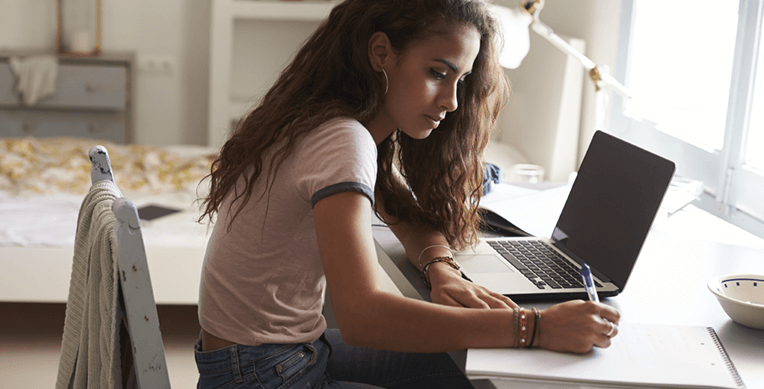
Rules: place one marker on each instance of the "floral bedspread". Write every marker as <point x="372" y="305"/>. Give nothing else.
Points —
<point x="54" y="166"/>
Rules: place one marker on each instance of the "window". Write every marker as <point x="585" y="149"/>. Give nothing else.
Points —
<point x="691" y="67"/>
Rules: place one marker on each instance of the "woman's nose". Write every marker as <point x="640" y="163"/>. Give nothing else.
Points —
<point x="448" y="98"/>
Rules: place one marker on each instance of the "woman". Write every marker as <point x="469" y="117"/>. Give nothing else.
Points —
<point x="389" y="106"/>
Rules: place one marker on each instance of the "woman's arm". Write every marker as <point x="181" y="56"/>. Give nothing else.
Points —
<point x="422" y="244"/>
<point x="367" y="316"/>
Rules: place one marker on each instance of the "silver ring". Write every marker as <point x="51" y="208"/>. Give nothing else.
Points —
<point x="612" y="329"/>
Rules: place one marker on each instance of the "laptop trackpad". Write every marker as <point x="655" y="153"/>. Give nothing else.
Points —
<point x="481" y="264"/>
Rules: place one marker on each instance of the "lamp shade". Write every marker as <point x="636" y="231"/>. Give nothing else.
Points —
<point x="514" y="25"/>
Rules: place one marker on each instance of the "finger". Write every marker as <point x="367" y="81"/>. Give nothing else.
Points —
<point x="613" y="331"/>
<point x="444" y="299"/>
<point x="603" y="342"/>
<point x="495" y="302"/>
<point x="610" y="314"/>
<point x="470" y="300"/>
<point x="508" y="301"/>
<point x="609" y="329"/>
<point x="493" y="299"/>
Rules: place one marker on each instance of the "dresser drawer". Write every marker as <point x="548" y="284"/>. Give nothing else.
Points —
<point x="77" y="86"/>
<point x="21" y="123"/>
<point x="92" y="99"/>
<point x="88" y="86"/>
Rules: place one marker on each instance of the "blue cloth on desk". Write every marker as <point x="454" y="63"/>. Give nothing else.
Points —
<point x="491" y="176"/>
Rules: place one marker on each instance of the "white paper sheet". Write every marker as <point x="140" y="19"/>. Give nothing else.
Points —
<point x="536" y="212"/>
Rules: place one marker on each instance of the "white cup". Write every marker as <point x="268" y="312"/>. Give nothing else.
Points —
<point x="524" y="172"/>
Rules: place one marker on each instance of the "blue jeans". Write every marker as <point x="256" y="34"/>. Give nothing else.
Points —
<point x="326" y="363"/>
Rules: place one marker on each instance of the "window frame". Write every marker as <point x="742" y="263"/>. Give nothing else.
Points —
<point x="732" y="190"/>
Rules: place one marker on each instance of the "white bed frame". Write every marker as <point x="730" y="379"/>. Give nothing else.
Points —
<point x="41" y="274"/>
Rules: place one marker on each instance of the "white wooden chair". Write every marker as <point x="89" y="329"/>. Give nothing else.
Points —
<point x="141" y="348"/>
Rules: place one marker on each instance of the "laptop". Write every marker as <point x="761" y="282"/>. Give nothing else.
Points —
<point x="604" y="223"/>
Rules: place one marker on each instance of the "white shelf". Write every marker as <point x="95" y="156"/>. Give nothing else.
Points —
<point x="223" y="106"/>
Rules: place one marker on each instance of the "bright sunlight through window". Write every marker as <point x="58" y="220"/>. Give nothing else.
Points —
<point x="754" y="151"/>
<point x="681" y="65"/>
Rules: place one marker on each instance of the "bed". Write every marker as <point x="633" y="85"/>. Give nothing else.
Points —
<point x="42" y="184"/>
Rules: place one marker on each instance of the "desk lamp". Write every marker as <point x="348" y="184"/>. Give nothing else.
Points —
<point x="515" y="23"/>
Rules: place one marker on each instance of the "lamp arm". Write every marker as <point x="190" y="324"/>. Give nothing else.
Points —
<point x="617" y="86"/>
<point x="595" y="74"/>
<point x="542" y="29"/>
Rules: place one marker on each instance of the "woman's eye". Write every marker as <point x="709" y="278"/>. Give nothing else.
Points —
<point x="437" y="75"/>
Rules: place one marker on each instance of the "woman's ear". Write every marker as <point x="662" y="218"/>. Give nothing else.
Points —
<point x="380" y="51"/>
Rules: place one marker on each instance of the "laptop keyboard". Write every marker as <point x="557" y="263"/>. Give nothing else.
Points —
<point x="541" y="264"/>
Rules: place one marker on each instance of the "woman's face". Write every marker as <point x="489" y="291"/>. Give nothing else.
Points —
<point x="423" y="82"/>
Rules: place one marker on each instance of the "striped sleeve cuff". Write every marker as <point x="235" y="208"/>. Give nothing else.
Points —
<point x="342" y="187"/>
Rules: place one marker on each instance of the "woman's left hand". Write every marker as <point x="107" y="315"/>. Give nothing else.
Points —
<point x="449" y="288"/>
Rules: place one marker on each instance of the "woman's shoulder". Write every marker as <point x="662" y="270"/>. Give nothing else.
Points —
<point x="342" y="125"/>
<point x="340" y="150"/>
<point x="340" y="132"/>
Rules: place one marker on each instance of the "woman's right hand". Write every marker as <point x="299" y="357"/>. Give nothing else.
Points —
<point x="577" y="326"/>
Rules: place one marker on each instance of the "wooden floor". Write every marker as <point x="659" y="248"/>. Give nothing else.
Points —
<point x="30" y="344"/>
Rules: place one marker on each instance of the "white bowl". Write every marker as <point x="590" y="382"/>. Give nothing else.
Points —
<point x="742" y="297"/>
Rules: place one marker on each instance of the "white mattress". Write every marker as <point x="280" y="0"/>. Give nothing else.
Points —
<point x="43" y="182"/>
<point x="51" y="221"/>
<point x="42" y="185"/>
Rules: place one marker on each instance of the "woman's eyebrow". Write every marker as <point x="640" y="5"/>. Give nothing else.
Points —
<point x="451" y="66"/>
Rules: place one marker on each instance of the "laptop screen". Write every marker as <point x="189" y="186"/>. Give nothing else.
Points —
<point x="612" y="204"/>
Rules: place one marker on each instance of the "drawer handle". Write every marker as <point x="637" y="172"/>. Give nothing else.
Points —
<point x="95" y="129"/>
<point x="90" y="88"/>
<point x="27" y="127"/>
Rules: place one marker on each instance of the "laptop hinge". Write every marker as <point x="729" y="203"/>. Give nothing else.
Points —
<point x="578" y="260"/>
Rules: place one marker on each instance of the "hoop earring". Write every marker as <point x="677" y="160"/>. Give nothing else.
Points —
<point x="387" y="83"/>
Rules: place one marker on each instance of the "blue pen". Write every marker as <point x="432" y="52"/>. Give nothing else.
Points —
<point x="586" y="274"/>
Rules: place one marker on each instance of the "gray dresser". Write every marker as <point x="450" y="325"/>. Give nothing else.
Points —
<point x="92" y="100"/>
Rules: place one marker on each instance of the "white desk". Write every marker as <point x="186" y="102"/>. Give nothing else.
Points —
<point x="667" y="285"/>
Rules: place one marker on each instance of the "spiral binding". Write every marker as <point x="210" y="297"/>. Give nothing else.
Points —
<point x="727" y="360"/>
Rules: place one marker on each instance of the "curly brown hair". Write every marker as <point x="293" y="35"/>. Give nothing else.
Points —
<point x="331" y="76"/>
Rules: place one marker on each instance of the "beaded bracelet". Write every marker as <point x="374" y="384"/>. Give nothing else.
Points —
<point x="536" y="320"/>
<point x="423" y="276"/>
<point x="523" y="327"/>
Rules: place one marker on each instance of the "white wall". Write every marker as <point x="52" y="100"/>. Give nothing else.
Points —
<point x="597" y="23"/>
<point x="172" y="108"/>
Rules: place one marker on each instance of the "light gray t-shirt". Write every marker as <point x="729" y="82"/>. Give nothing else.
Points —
<point x="262" y="280"/>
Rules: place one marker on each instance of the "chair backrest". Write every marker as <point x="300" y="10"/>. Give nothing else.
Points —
<point x="139" y="313"/>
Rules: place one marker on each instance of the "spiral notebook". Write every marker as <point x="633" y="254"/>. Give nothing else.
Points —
<point x="642" y="355"/>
